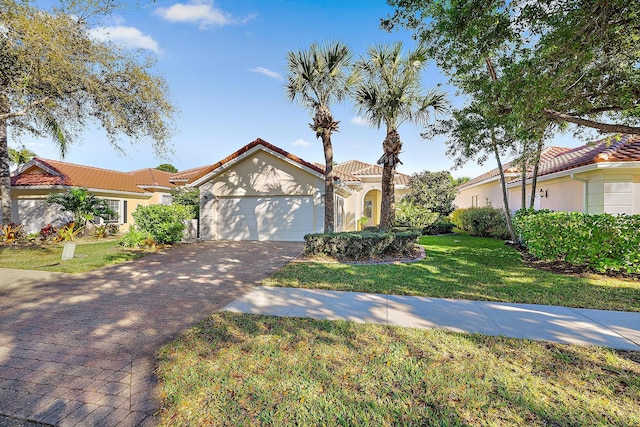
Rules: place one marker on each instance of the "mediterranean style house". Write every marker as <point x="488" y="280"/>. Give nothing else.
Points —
<point x="124" y="191"/>
<point x="600" y="177"/>
<point x="260" y="192"/>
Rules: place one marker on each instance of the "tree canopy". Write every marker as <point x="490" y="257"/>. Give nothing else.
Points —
<point x="433" y="190"/>
<point x="167" y="167"/>
<point x="55" y="79"/>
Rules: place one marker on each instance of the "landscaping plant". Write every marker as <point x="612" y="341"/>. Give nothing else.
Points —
<point x="82" y="204"/>
<point x="9" y="233"/>
<point x="413" y="215"/>
<point x="164" y="223"/>
<point x="603" y="242"/>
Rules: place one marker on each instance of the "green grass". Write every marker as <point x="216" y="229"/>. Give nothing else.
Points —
<point x="89" y="254"/>
<point x="465" y="267"/>
<point x="242" y="369"/>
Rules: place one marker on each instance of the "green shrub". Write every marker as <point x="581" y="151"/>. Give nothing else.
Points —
<point x="416" y="216"/>
<point x="442" y="226"/>
<point x="483" y="222"/>
<point x="361" y="244"/>
<point x="459" y="219"/>
<point x="165" y="223"/>
<point x="603" y="242"/>
<point x="133" y="238"/>
<point x="488" y="222"/>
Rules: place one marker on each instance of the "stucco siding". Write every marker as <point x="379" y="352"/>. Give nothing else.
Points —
<point x="262" y="173"/>
<point x="488" y="194"/>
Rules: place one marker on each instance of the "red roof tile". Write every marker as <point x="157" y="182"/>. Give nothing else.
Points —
<point x="359" y="169"/>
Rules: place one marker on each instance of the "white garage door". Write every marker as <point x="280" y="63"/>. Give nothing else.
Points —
<point x="264" y="218"/>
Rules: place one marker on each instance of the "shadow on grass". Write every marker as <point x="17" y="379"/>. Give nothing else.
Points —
<point x="241" y="368"/>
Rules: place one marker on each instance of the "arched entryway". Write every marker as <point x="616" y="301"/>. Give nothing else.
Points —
<point x="371" y="207"/>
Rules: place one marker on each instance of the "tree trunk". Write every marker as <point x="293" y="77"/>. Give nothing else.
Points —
<point x="391" y="147"/>
<point x="602" y="127"/>
<point x="505" y="196"/>
<point x="329" y="199"/>
<point x="5" y="174"/>
<point x="534" y="174"/>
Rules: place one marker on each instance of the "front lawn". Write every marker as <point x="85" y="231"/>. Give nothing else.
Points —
<point x="465" y="267"/>
<point x="243" y="369"/>
<point x="89" y="254"/>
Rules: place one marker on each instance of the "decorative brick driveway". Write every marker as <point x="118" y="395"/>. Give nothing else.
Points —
<point x="81" y="349"/>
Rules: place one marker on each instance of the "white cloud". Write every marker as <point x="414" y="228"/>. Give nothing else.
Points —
<point x="203" y="13"/>
<point x="267" y="73"/>
<point x="357" y="120"/>
<point x="301" y="143"/>
<point x="126" y="36"/>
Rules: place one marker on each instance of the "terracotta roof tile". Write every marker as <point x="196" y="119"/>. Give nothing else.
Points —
<point x="620" y="148"/>
<point x="51" y="172"/>
<point x="360" y="169"/>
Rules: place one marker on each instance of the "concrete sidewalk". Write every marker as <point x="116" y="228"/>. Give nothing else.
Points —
<point x="614" y="329"/>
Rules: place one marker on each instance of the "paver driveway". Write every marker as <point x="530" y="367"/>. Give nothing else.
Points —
<point x="81" y="349"/>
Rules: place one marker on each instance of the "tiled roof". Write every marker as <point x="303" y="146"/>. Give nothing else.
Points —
<point x="207" y="169"/>
<point x="621" y="148"/>
<point x="40" y="172"/>
<point x="360" y="169"/>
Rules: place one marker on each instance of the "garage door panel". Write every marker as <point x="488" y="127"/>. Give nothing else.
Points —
<point x="265" y="218"/>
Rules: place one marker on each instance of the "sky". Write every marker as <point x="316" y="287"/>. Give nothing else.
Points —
<point x="224" y="62"/>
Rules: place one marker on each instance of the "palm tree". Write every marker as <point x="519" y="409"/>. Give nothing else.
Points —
<point x="389" y="92"/>
<point x="317" y="78"/>
<point x="21" y="156"/>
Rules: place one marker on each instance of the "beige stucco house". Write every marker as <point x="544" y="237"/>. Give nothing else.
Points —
<point x="262" y="192"/>
<point x="602" y="177"/>
<point x="124" y="191"/>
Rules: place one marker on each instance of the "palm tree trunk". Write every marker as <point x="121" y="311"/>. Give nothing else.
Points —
<point x="5" y="175"/>
<point x="391" y="147"/>
<point x="329" y="198"/>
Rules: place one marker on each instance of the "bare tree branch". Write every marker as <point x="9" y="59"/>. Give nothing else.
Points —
<point x="604" y="127"/>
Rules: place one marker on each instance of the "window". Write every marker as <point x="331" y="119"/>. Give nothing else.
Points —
<point x="339" y="212"/>
<point x="474" y="201"/>
<point x="114" y="205"/>
<point x="368" y="208"/>
<point x="167" y="199"/>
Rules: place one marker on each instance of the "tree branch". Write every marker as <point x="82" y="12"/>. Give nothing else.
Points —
<point x="25" y="110"/>
<point x="604" y="127"/>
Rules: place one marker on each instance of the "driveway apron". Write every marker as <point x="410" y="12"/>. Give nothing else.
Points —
<point x="80" y="349"/>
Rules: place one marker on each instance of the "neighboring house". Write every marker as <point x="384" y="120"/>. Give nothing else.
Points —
<point x="602" y="177"/>
<point x="124" y="191"/>
<point x="262" y="192"/>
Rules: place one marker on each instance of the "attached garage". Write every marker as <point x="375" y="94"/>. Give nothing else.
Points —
<point x="279" y="218"/>
<point x="261" y="192"/>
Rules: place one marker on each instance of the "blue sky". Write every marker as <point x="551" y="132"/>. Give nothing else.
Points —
<point x="224" y="62"/>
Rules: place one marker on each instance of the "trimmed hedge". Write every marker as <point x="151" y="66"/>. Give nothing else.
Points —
<point x="438" y="227"/>
<point x="361" y="244"/>
<point x="602" y="242"/>
<point x="483" y="222"/>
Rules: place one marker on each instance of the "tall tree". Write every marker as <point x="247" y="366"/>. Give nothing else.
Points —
<point x="433" y="190"/>
<point x="317" y="78"/>
<point x="389" y="92"/>
<point x="55" y="78"/>
<point x="167" y="167"/>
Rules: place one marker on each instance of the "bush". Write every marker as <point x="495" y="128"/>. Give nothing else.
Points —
<point x="361" y="244"/>
<point x="602" y="242"/>
<point x="483" y="222"/>
<point x="133" y="238"/>
<point x="12" y="232"/>
<point x="410" y="215"/>
<point x="459" y="219"/>
<point x="439" y="227"/>
<point x="165" y="223"/>
<point x="48" y="232"/>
